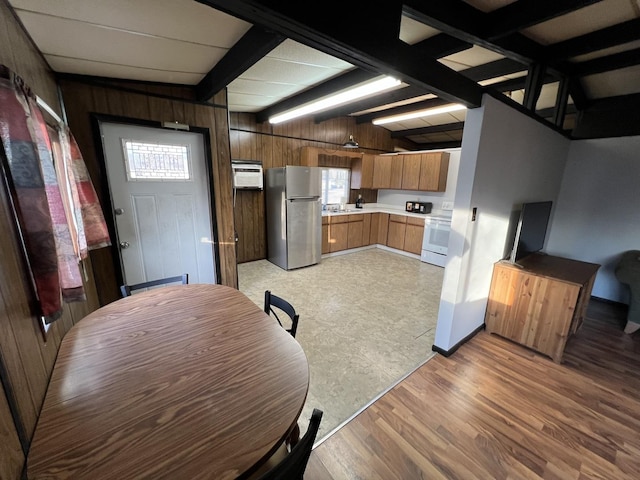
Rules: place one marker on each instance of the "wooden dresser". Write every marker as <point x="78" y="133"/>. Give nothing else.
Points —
<point x="540" y="301"/>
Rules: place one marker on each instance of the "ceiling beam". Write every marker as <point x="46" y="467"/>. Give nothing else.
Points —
<point x="624" y="32"/>
<point x="461" y="20"/>
<point x="610" y="117"/>
<point x="605" y="64"/>
<point x="374" y="48"/>
<point x="251" y="48"/>
<point x="447" y="127"/>
<point x="497" y="68"/>
<point x="533" y="86"/>
<point x="440" y="145"/>
<point x="562" y="98"/>
<point x="437" y="46"/>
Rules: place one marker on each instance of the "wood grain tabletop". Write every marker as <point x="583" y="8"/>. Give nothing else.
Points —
<point x="190" y="381"/>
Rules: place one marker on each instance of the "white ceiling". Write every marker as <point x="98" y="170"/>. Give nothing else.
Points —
<point x="180" y="41"/>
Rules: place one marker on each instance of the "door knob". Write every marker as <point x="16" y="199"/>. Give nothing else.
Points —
<point x="119" y="211"/>
<point x="124" y="245"/>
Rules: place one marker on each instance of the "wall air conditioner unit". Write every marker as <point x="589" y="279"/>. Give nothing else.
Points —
<point x="247" y="175"/>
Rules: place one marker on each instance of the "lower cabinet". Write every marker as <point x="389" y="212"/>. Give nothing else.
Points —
<point x="397" y="230"/>
<point x="413" y="235"/>
<point x="342" y="232"/>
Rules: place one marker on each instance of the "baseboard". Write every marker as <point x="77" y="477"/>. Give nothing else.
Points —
<point x="451" y="351"/>
<point x="610" y="302"/>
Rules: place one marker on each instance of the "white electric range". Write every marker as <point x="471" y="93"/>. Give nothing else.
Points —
<point x="435" y="243"/>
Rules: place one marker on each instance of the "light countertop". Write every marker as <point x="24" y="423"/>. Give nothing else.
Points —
<point x="381" y="208"/>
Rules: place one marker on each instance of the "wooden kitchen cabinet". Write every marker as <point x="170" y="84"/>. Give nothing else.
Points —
<point x="413" y="235"/>
<point x="366" y="229"/>
<point x="326" y="248"/>
<point x="381" y="172"/>
<point x="362" y="172"/>
<point x="397" y="229"/>
<point x="539" y="302"/>
<point x="338" y="233"/>
<point x="434" y="168"/>
<point x="381" y="230"/>
<point x="354" y="234"/>
<point x="411" y="172"/>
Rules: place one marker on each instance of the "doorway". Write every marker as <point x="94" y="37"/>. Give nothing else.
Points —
<point x="160" y="196"/>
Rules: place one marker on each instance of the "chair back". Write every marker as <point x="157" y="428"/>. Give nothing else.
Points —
<point x="126" y="290"/>
<point x="292" y="467"/>
<point x="274" y="304"/>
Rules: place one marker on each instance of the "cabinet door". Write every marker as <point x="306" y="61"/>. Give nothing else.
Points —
<point x="434" y="168"/>
<point x="397" y="230"/>
<point x="325" y="239"/>
<point x="355" y="231"/>
<point x="375" y="222"/>
<point x="397" y="164"/>
<point x="383" y="228"/>
<point x="366" y="229"/>
<point x="338" y="236"/>
<point x="413" y="236"/>
<point x="411" y="172"/>
<point x="362" y="172"/>
<point x="381" y="172"/>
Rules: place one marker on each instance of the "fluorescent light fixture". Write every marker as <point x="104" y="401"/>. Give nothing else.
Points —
<point x="419" y="114"/>
<point x="341" y="98"/>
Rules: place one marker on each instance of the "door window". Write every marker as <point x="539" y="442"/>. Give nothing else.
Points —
<point x="156" y="161"/>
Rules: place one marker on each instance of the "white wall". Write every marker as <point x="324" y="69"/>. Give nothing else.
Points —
<point x="598" y="211"/>
<point x="506" y="159"/>
<point x="398" y="198"/>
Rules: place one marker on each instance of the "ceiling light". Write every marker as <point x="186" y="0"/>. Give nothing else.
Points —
<point x="341" y="98"/>
<point x="419" y="114"/>
<point x="351" y="143"/>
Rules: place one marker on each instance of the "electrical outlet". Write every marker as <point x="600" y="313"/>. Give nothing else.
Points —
<point x="447" y="205"/>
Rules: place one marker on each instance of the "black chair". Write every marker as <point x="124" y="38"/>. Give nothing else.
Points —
<point x="292" y="466"/>
<point x="273" y="304"/>
<point x="126" y="290"/>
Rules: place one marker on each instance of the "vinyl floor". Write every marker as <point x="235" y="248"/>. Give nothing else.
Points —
<point x="367" y="319"/>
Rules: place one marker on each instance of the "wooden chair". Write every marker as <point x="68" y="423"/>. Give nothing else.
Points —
<point x="293" y="464"/>
<point x="126" y="290"/>
<point x="274" y="304"/>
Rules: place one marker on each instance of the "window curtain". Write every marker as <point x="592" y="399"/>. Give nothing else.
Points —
<point x="51" y="220"/>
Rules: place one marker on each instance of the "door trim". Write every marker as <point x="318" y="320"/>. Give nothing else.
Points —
<point x="96" y="120"/>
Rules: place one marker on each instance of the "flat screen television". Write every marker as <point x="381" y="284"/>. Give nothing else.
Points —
<point x="531" y="229"/>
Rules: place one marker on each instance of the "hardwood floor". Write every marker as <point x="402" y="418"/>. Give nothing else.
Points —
<point x="496" y="410"/>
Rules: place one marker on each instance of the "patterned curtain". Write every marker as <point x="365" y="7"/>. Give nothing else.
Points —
<point x="42" y="208"/>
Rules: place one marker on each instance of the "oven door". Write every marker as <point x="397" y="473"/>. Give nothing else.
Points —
<point x="436" y="235"/>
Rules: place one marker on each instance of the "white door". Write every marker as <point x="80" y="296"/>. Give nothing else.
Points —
<point x="160" y="197"/>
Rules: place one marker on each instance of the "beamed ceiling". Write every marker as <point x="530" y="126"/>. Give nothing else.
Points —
<point x="573" y="64"/>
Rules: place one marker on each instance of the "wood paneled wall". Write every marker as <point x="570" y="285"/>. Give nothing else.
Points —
<point x="27" y="359"/>
<point x="152" y="103"/>
<point x="280" y="145"/>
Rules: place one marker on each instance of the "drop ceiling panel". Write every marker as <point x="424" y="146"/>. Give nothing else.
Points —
<point x="57" y="36"/>
<point x="280" y="71"/>
<point x="271" y="89"/>
<point x="178" y="19"/>
<point x="87" y="67"/>
<point x="607" y="51"/>
<point x="593" y="17"/>
<point x="617" y="82"/>
<point x="488" y="5"/>
<point x="412" y="32"/>
<point x="294" y="52"/>
<point x="246" y="103"/>
<point x="470" y="57"/>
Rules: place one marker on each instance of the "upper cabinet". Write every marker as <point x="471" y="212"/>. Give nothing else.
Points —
<point x="426" y="172"/>
<point x="434" y="168"/>
<point x="362" y="172"/>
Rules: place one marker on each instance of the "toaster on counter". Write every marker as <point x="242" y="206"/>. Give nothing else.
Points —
<point x="419" y="207"/>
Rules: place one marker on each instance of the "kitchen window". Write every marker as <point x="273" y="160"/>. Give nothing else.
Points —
<point x="335" y="185"/>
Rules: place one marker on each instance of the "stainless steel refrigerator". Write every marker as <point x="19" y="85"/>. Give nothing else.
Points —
<point x="294" y="216"/>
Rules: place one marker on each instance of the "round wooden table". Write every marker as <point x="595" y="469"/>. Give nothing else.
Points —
<point x="191" y="381"/>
